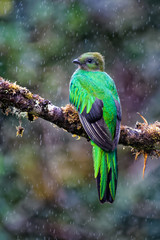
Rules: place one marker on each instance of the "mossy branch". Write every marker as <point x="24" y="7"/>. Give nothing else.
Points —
<point x="143" y="138"/>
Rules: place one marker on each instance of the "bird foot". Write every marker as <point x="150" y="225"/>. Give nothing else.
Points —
<point x="76" y="136"/>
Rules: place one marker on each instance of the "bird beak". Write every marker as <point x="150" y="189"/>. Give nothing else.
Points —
<point x="76" y="61"/>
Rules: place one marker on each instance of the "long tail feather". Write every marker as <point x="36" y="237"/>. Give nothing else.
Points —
<point x="106" y="172"/>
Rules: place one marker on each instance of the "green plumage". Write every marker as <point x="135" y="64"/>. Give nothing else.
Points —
<point x="93" y="93"/>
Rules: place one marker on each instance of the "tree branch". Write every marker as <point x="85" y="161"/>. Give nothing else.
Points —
<point x="143" y="138"/>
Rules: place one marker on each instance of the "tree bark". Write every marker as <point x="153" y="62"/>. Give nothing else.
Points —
<point x="144" y="138"/>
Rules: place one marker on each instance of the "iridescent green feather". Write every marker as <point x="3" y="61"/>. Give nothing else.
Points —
<point x="111" y="168"/>
<point x="115" y="164"/>
<point x="80" y="98"/>
<point x="97" y="155"/>
<point x="105" y="162"/>
<point x="112" y="162"/>
<point x="103" y="172"/>
<point x="75" y="94"/>
<point x="83" y="105"/>
<point x="89" y="105"/>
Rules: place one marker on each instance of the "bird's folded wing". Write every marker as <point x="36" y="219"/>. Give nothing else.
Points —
<point x="96" y="127"/>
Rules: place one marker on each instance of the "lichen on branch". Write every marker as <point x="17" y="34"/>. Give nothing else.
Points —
<point x="144" y="138"/>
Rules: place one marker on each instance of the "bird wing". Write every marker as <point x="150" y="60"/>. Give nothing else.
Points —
<point x="81" y="95"/>
<point x="90" y="111"/>
<point x="96" y="127"/>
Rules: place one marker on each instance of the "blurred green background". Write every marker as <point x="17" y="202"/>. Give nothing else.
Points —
<point x="47" y="188"/>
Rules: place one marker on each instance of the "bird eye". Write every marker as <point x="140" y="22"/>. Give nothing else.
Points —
<point x="90" y="60"/>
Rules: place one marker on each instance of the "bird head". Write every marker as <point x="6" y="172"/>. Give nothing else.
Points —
<point x="90" y="61"/>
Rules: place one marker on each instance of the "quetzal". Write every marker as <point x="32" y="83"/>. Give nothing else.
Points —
<point x="94" y="94"/>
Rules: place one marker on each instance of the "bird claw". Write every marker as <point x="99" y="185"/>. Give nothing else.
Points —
<point x="76" y="136"/>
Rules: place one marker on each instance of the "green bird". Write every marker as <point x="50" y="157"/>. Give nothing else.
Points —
<point x="94" y="94"/>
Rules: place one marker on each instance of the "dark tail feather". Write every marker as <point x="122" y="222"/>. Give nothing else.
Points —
<point x="107" y="195"/>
